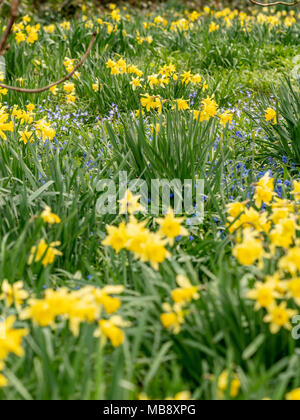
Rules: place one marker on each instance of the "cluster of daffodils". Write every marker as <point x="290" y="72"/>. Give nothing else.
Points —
<point x="110" y="27"/>
<point x="24" y="118"/>
<point x="267" y="235"/>
<point x="70" y="93"/>
<point x="49" y="29"/>
<point x="96" y="86"/>
<point x="25" y="32"/>
<point x="68" y="89"/>
<point x="189" y="22"/>
<point x="161" y="79"/>
<point x="44" y="130"/>
<point x="226" y="381"/>
<point x="213" y="27"/>
<point x="193" y="21"/>
<point x="5" y="124"/>
<point x="174" y="315"/>
<point x="246" y="21"/>
<point x="150" y="102"/>
<point x="152" y="247"/>
<point x="181" y="25"/>
<point x="88" y="305"/>
<point x="22" y="115"/>
<point x="208" y="109"/>
<point x="10" y="342"/>
<point x="3" y="91"/>
<point x="65" y="25"/>
<point x="140" y="39"/>
<point x="195" y="79"/>
<point x="134" y="236"/>
<point x="69" y="65"/>
<point x="85" y="305"/>
<point x="29" y="128"/>
<point x="45" y="253"/>
<point x="278" y="19"/>
<point x="230" y="383"/>
<point x="114" y="20"/>
<point x="121" y="67"/>
<point x="11" y="338"/>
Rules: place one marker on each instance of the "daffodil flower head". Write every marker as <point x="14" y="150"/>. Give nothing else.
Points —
<point x="130" y="203"/>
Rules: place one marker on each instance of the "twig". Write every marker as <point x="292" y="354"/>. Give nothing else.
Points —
<point x="13" y="16"/>
<point x="64" y="79"/>
<point x="276" y="3"/>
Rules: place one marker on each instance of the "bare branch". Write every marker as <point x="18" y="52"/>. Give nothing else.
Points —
<point x="276" y="3"/>
<point x="13" y="16"/>
<point x="64" y="79"/>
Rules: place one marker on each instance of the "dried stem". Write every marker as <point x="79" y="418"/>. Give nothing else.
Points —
<point x="13" y="16"/>
<point x="276" y="3"/>
<point x="64" y="79"/>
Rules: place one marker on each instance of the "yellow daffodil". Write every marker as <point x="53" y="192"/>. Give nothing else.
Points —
<point x="44" y="252"/>
<point x="172" y="318"/>
<point x="264" y="190"/>
<point x="11" y="342"/>
<point x="279" y="317"/>
<point x="264" y="294"/>
<point x="270" y="115"/>
<point x="50" y="217"/>
<point x="111" y="329"/>
<point x="13" y="294"/>
<point x="186" y="291"/>
<point x="250" y="249"/>
<point x="130" y="203"/>
<point x="226" y="118"/>
<point x="170" y="226"/>
<point x="117" y="237"/>
<point x="181" y="105"/>
<point x="223" y="384"/>
<point x="26" y="136"/>
<point x="293" y="395"/>
<point x="4" y="125"/>
<point x="296" y="190"/>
